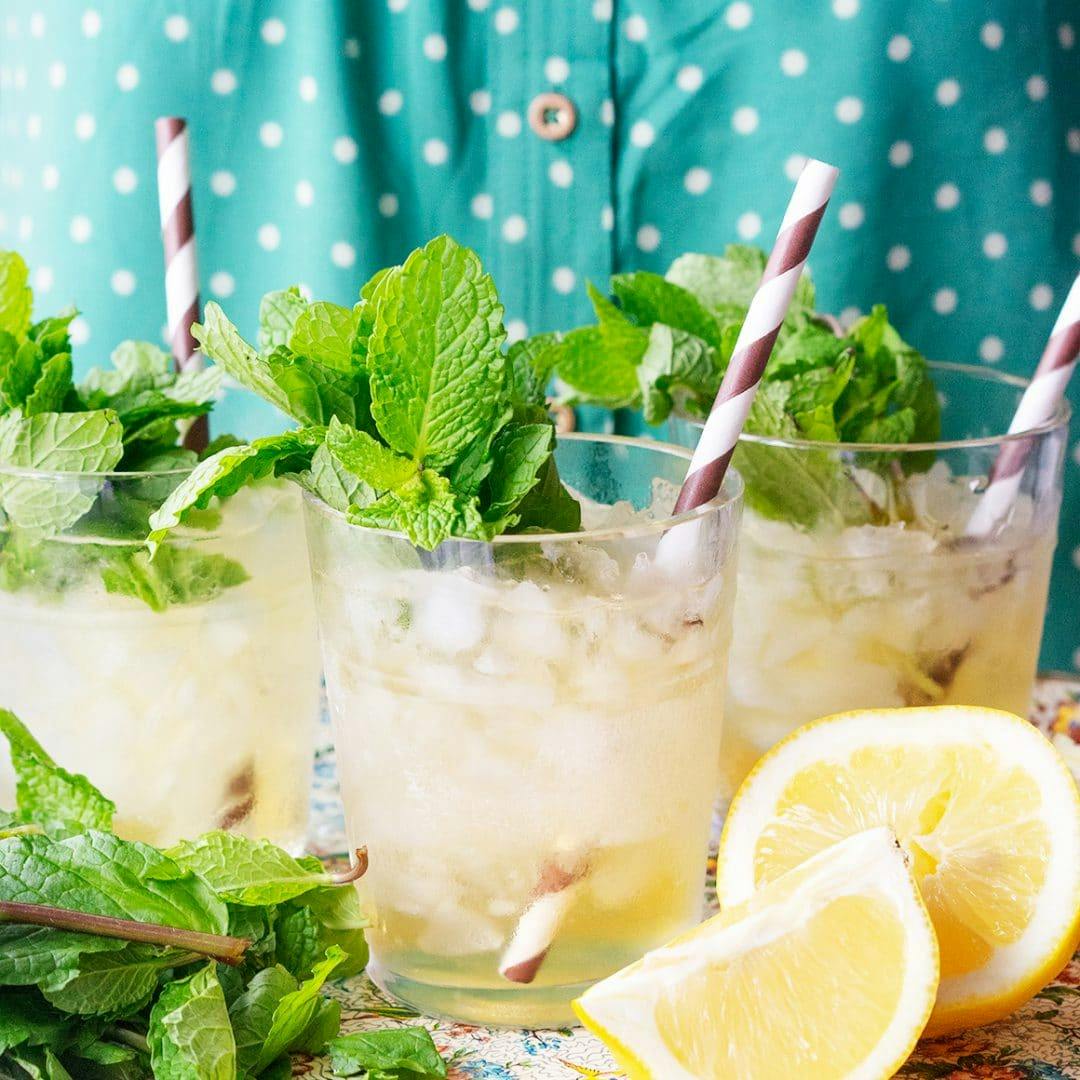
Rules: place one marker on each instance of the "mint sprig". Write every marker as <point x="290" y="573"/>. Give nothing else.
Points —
<point x="415" y="416"/>
<point x="665" y="344"/>
<point x="125" y="419"/>
<point x="208" y="960"/>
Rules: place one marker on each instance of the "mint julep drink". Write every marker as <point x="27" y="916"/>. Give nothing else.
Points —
<point x="526" y="706"/>
<point x="862" y="582"/>
<point x="185" y="685"/>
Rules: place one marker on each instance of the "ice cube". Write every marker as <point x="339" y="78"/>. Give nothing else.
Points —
<point x="449" y="614"/>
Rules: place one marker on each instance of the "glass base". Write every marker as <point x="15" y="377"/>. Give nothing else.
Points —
<point x="514" y="1007"/>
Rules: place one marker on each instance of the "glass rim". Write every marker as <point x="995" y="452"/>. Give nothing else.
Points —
<point x="1061" y="417"/>
<point x="112" y="474"/>
<point x="731" y="492"/>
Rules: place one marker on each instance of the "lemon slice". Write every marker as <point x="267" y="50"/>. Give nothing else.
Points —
<point x="829" y="972"/>
<point x="986" y="809"/>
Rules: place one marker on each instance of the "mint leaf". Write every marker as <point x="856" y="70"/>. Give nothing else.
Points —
<point x="25" y="1020"/>
<point x="98" y="873"/>
<point x="46" y="793"/>
<point x="392" y="1054"/>
<point x="678" y="369"/>
<point x="20" y="369"/>
<point x="341" y="923"/>
<point x="229" y="470"/>
<point x="175" y="575"/>
<point x="425" y="509"/>
<point x="90" y="442"/>
<point x="435" y="359"/>
<point x="31" y="954"/>
<point x="278" y="314"/>
<point x="365" y="457"/>
<point x="52" y="388"/>
<point x="314" y="394"/>
<point x="250" y="872"/>
<point x="548" y="506"/>
<point x="326" y="333"/>
<point x="529" y="366"/>
<point x="190" y="1035"/>
<point x="331" y="481"/>
<point x="276" y="1015"/>
<point x="650" y="298"/>
<point x="221" y="341"/>
<point x="110" y="983"/>
<point x="15" y="296"/>
<point x="800" y="486"/>
<point x="518" y="454"/>
<point x="137" y="365"/>
<point x="39" y="1063"/>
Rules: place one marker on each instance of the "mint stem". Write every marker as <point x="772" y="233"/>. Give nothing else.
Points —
<point x="357" y="869"/>
<point x="130" y="1038"/>
<point x="228" y="950"/>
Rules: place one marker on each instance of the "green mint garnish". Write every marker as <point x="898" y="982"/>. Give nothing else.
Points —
<point x="415" y="416"/>
<point x="665" y="344"/>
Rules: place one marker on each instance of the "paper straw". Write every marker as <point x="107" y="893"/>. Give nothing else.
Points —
<point x="1038" y="405"/>
<point x="758" y="335"/>
<point x="181" y="265"/>
<point x="539" y="923"/>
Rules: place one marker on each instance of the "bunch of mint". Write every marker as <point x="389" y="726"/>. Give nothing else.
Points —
<point x="665" y="343"/>
<point x="212" y="962"/>
<point x="413" y="415"/>
<point x="122" y="420"/>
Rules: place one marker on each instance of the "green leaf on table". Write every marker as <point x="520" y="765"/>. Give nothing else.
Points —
<point x="104" y="1060"/>
<point x="340" y="922"/>
<point x="89" y="442"/>
<point x="390" y="1054"/>
<point x="278" y="314"/>
<point x="365" y="457"/>
<point x="31" y="954"/>
<point x="190" y="1035"/>
<point x="16" y="299"/>
<point x="250" y="872"/>
<point x="98" y="873"/>
<point x="111" y="983"/>
<point x="276" y="1015"/>
<point x="46" y="793"/>
<point x="435" y="353"/>
<point x="221" y="341"/>
<point x="518" y="455"/>
<point x="229" y="470"/>
<point x="326" y="333"/>
<point x="330" y="481"/>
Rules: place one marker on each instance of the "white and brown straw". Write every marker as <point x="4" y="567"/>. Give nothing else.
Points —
<point x="758" y="335"/>
<point x="181" y="264"/>
<point x="1038" y="405"/>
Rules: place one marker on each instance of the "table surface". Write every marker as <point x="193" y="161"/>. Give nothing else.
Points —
<point x="1040" y="1042"/>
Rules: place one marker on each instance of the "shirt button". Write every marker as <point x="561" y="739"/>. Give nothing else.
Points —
<point x="552" y="116"/>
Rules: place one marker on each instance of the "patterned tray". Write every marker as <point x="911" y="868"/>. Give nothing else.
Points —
<point x="1040" y="1042"/>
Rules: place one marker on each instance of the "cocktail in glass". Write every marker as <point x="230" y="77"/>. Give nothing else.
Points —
<point x="527" y="735"/>
<point x="185" y="687"/>
<point x="885" y="600"/>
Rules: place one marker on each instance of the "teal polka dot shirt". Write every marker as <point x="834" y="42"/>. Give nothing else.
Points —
<point x="330" y="137"/>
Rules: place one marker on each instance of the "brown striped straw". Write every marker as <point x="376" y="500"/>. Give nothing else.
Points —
<point x="755" y="343"/>
<point x="1038" y="405"/>
<point x="181" y="264"/>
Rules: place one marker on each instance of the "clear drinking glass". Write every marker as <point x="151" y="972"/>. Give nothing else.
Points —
<point x="901" y="608"/>
<point x="185" y="688"/>
<point x="527" y="734"/>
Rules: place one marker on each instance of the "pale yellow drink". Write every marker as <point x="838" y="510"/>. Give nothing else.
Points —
<point x="511" y="712"/>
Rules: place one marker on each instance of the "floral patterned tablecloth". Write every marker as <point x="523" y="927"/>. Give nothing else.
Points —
<point x="1041" y="1042"/>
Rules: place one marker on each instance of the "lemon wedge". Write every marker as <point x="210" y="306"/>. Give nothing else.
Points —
<point x="986" y="809"/>
<point x="829" y="971"/>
